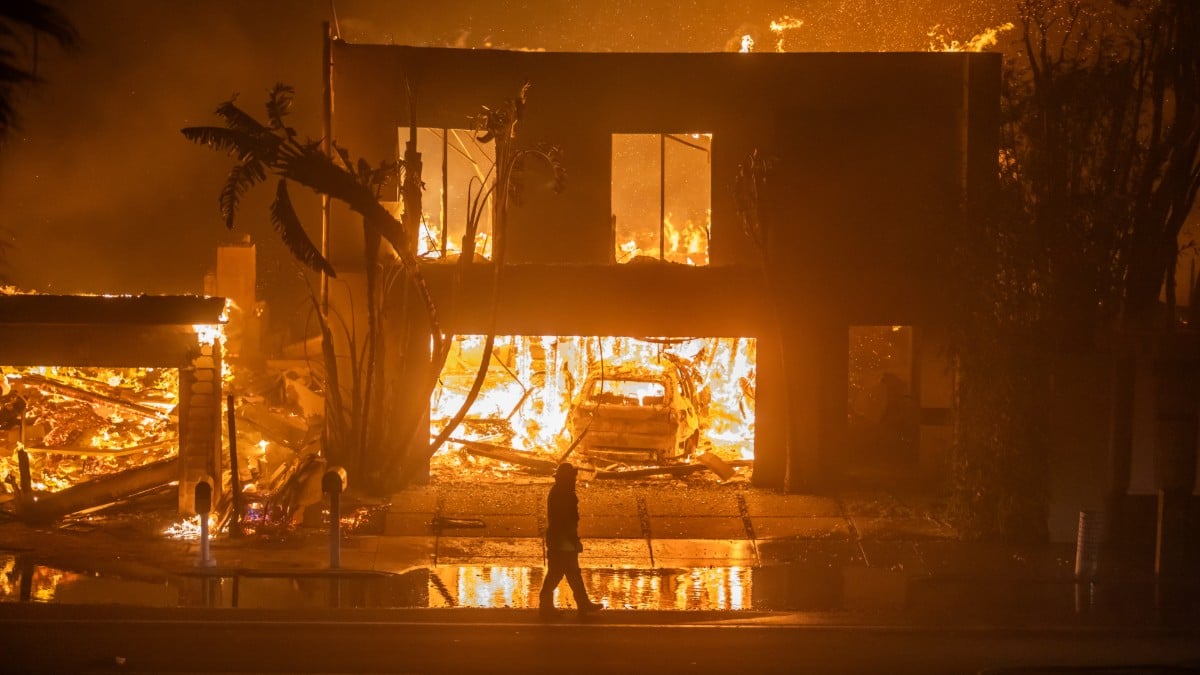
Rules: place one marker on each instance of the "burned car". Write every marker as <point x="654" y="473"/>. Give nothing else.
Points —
<point x="636" y="413"/>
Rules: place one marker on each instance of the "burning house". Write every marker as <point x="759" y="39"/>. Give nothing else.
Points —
<point x="107" y="397"/>
<point x="650" y="311"/>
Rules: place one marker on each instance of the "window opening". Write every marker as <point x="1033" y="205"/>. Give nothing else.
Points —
<point x="457" y="171"/>
<point x="661" y="196"/>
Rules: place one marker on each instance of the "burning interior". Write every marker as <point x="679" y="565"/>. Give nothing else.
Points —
<point x="102" y="398"/>
<point x="82" y="423"/>
<point x="612" y="403"/>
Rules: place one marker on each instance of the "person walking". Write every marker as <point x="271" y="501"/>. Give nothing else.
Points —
<point x="562" y="544"/>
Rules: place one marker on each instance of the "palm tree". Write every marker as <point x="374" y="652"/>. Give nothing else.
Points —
<point x="21" y="24"/>
<point x="274" y="148"/>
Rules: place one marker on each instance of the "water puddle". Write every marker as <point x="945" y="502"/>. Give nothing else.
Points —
<point x="729" y="588"/>
<point x="784" y="587"/>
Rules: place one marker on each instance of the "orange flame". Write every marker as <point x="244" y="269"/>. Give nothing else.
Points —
<point x="939" y="41"/>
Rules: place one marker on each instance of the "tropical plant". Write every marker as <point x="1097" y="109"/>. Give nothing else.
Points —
<point x="22" y="20"/>
<point x="275" y="148"/>
<point x="1104" y="131"/>
<point x="1100" y="166"/>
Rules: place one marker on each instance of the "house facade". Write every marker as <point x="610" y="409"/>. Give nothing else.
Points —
<point x="873" y="163"/>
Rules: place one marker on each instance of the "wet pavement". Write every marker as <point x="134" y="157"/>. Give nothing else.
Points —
<point x="722" y="552"/>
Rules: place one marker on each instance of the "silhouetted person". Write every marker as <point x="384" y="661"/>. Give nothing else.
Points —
<point x="562" y="543"/>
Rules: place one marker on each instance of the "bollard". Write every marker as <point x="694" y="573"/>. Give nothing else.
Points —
<point x="332" y="484"/>
<point x="203" y="501"/>
<point x="1088" y="539"/>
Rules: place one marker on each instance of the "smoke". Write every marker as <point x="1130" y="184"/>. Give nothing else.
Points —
<point x="102" y="194"/>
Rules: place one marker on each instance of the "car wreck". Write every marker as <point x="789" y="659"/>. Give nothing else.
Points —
<point x="636" y="413"/>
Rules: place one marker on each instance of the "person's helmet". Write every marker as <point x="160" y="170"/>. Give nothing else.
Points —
<point x="565" y="471"/>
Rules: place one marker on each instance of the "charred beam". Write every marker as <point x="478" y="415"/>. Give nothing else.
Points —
<point x="504" y="454"/>
<point x="100" y="491"/>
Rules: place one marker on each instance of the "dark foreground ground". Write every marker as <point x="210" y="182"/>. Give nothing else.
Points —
<point x="695" y="578"/>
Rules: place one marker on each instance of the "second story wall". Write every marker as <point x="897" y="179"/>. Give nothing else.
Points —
<point x="875" y="156"/>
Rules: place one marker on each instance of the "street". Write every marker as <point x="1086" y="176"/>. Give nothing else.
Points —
<point x="343" y="642"/>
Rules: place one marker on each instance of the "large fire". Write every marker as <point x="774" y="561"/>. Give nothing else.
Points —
<point x="533" y="384"/>
<point x="74" y="424"/>
<point x="81" y="423"/>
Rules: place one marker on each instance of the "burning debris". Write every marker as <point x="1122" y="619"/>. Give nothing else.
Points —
<point x="624" y="407"/>
<point x="78" y="424"/>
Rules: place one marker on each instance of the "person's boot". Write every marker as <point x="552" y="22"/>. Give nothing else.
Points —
<point x="589" y="607"/>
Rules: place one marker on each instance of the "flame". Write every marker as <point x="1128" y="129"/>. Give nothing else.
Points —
<point x="939" y="41"/>
<point x="747" y="45"/>
<point x="79" y="425"/>
<point x="687" y="243"/>
<point x="188" y="529"/>
<point x="533" y="381"/>
<point x="782" y="25"/>
<point x="209" y="334"/>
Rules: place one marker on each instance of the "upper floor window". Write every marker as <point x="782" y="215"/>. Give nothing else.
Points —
<point x="661" y="196"/>
<point x="456" y="170"/>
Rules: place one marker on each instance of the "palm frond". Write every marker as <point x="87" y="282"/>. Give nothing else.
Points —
<point x="279" y="104"/>
<point x="240" y="144"/>
<point x="236" y="118"/>
<point x="42" y="18"/>
<point x="283" y="217"/>
<point x="10" y="74"/>
<point x="241" y="178"/>
<point x="344" y="155"/>
<point x="318" y="171"/>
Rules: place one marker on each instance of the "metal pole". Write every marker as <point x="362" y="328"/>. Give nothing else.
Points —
<point x="334" y="483"/>
<point x="662" y="196"/>
<point x="203" y="539"/>
<point x="335" y="529"/>
<point x="445" y="191"/>
<point x="235" y="481"/>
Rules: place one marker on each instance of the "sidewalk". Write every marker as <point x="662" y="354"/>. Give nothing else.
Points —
<point x="723" y="552"/>
<point x="638" y="526"/>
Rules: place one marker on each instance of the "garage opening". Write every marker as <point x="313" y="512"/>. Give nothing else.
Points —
<point x="612" y="404"/>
